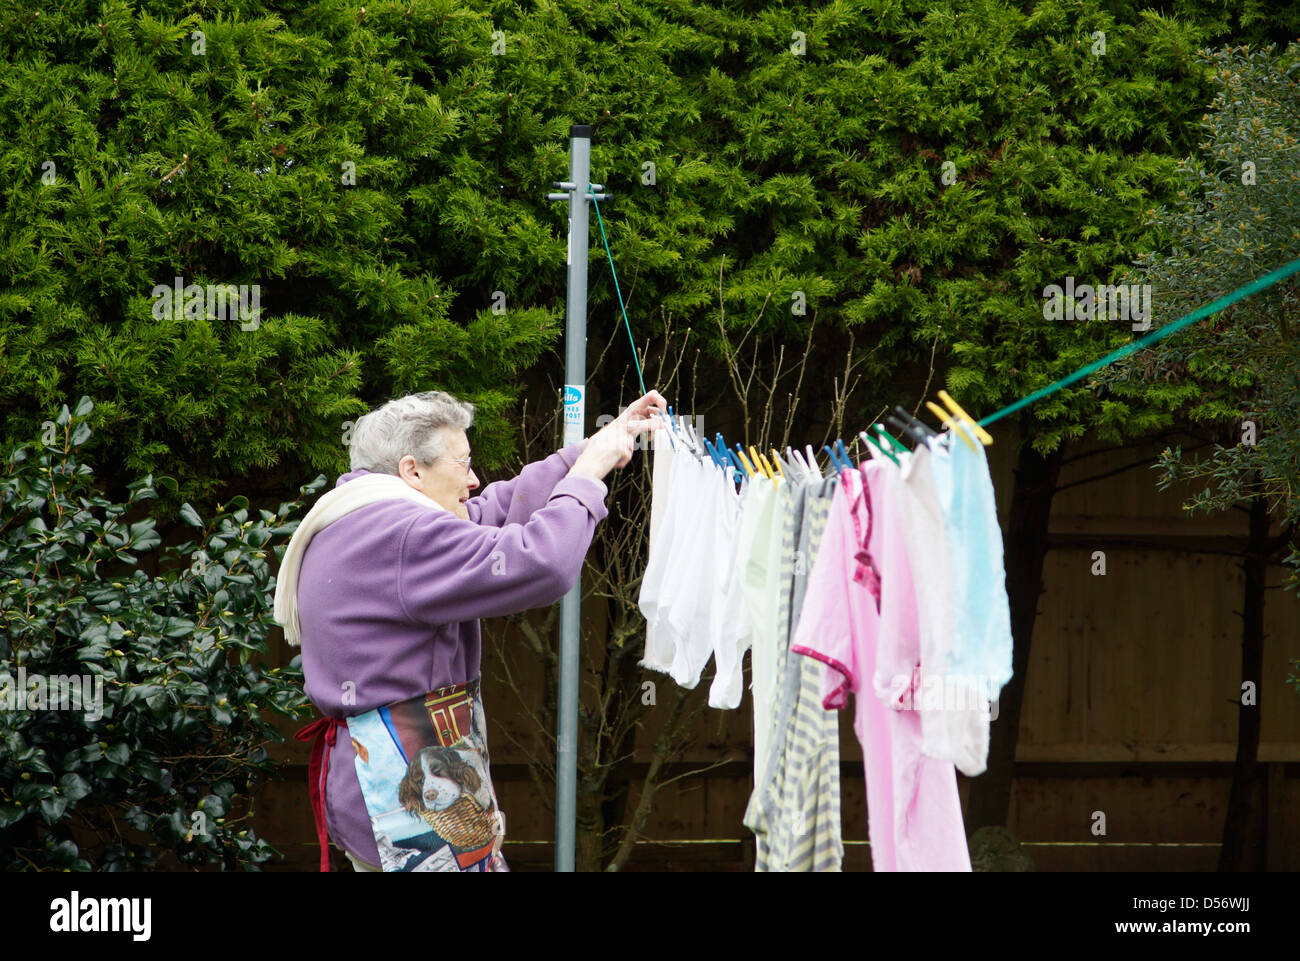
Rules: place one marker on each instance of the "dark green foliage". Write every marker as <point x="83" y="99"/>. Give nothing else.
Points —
<point x="816" y="172"/>
<point x="1236" y="218"/>
<point x="228" y="166"/>
<point x="182" y="691"/>
<point x="1236" y="374"/>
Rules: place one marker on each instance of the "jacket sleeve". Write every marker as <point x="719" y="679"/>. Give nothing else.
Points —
<point x="450" y="569"/>
<point x="513" y="501"/>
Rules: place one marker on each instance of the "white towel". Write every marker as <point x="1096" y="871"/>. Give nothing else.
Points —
<point x="355" y="494"/>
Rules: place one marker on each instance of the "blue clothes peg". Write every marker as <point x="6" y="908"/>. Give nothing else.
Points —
<point x="732" y="459"/>
<point x="713" y="453"/>
<point x="844" y="453"/>
<point x="668" y="423"/>
<point x="758" y="470"/>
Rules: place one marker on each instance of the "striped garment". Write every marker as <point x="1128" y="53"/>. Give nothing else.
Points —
<point x="794" y="811"/>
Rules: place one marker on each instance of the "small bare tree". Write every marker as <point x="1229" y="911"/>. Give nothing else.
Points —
<point x="619" y="693"/>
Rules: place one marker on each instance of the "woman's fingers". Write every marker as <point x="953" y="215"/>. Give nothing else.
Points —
<point x="642" y="406"/>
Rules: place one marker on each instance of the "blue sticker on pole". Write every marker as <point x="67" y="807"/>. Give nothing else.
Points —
<point x="573" y="413"/>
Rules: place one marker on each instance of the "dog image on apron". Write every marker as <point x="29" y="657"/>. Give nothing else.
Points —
<point x="423" y="767"/>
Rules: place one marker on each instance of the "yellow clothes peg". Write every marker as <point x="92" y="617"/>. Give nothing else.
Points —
<point x="777" y="461"/>
<point x="984" y="436"/>
<point x="960" y="428"/>
<point x="758" y="462"/>
<point x="949" y="421"/>
<point x="771" y="471"/>
<point x="749" y="468"/>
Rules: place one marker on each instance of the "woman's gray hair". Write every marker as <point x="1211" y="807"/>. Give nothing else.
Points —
<point x="407" y="425"/>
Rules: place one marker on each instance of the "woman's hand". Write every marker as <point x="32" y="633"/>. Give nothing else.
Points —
<point x="613" y="444"/>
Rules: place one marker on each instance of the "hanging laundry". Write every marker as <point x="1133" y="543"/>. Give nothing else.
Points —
<point x="983" y="619"/>
<point x="860" y="583"/>
<point x="848" y="583"/>
<point x="760" y="559"/>
<point x="729" y="621"/>
<point x="695" y="574"/>
<point x="794" y="810"/>
<point x="691" y="592"/>
<point x="954" y="712"/>
<point x="658" y="647"/>
<point x="677" y="639"/>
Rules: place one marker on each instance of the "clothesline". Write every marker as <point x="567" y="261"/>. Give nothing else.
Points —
<point x="884" y="579"/>
<point x="1247" y="290"/>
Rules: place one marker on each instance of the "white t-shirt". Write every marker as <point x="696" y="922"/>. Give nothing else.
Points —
<point x="949" y="730"/>
<point x="760" y="563"/>
<point x="731" y="622"/>
<point x="728" y="619"/>
<point x="691" y="581"/>
<point x="665" y="504"/>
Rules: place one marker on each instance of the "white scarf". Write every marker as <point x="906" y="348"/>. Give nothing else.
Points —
<point x="355" y="494"/>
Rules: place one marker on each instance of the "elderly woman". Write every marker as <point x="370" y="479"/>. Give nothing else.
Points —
<point x="384" y="584"/>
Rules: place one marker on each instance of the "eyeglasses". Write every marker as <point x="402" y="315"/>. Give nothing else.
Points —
<point x="462" y="460"/>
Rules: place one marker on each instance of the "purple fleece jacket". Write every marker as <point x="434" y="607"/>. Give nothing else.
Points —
<point x="390" y="596"/>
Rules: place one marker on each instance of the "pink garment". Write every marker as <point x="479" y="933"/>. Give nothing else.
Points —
<point x="859" y="609"/>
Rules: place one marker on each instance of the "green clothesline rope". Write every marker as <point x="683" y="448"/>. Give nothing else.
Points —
<point x="600" y="220"/>
<point x="1254" y="287"/>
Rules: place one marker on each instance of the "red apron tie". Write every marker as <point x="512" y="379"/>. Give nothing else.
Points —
<point x="323" y="730"/>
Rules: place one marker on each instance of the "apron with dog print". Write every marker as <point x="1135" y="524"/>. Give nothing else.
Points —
<point x="423" y="768"/>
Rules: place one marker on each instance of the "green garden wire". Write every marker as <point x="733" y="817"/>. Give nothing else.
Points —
<point x="600" y="220"/>
<point x="1254" y="287"/>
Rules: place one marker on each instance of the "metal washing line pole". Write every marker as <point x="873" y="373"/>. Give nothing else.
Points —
<point x="575" y="380"/>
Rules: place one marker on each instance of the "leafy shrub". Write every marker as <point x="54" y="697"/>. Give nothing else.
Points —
<point x="181" y="737"/>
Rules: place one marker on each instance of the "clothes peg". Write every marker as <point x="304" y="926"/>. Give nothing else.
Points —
<point x="950" y="422"/>
<point x="749" y="470"/>
<point x="694" y="437"/>
<point x="844" y="453"/>
<point x="983" y="436"/>
<point x="907" y="429"/>
<point x="720" y="446"/>
<point x="668" y="423"/>
<point x="776" y="462"/>
<point x="898" y="445"/>
<point x="771" y="468"/>
<point x="908" y="424"/>
<point x="961" y="429"/>
<point x="878" y="446"/>
<point x="713" y="454"/>
<point x="806" y="465"/>
<point x="812" y="459"/>
<point x="732" y="459"/>
<point x="809" y="465"/>
<point x="757" y="461"/>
